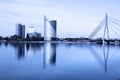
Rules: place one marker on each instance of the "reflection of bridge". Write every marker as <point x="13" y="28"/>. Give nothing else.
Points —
<point x="111" y="26"/>
<point x="100" y="60"/>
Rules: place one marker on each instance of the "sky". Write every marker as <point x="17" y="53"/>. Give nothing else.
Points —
<point x="75" y="18"/>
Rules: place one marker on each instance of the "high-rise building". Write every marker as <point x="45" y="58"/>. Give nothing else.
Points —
<point x="20" y="30"/>
<point x="50" y="28"/>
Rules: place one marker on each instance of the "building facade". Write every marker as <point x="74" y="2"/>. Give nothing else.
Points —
<point x="53" y="24"/>
<point x="20" y="30"/>
<point x="34" y="34"/>
<point x="50" y="28"/>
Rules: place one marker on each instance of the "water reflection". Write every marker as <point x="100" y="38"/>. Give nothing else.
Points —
<point x="6" y="43"/>
<point x="20" y="51"/>
<point x="106" y="55"/>
<point x="72" y="60"/>
<point x="102" y="61"/>
<point x="33" y="46"/>
<point x="21" y="48"/>
<point x="0" y="44"/>
<point x="27" y="46"/>
<point x="49" y="53"/>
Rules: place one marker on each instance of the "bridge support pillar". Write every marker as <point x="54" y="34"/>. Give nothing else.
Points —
<point x="106" y="29"/>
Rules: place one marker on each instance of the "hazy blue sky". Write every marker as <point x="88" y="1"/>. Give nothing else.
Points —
<point x="76" y="18"/>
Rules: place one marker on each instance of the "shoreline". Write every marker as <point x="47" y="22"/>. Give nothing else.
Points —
<point x="66" y="42"/>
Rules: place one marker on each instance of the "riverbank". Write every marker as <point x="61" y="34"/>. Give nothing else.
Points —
<point x="98" y="42"/>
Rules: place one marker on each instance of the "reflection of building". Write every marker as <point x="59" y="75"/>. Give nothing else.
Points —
<point x="50" y="29"/>
<point x="33" y="47"/>
<point x="20" y="51"/>
<point x="50" y="53"/>
<point x="20" y="30"/>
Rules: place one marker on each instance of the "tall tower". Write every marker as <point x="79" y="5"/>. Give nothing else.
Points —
<point x="20" y="30"/>
<point x="106" y="29"/>
<point x="50" y="28"/>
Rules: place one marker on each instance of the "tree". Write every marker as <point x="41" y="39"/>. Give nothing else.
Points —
<point x="1" y="38"/>
<point x="28" y="37"/>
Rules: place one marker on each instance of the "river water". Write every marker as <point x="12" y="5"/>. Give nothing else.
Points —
<point x="59" y="61"/>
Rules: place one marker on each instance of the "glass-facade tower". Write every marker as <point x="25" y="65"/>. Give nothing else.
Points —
<point x="20" y="30"/>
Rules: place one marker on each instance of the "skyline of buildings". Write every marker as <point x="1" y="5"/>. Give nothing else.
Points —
<point x="80" y="15"/>
<point x="50" y="30"/>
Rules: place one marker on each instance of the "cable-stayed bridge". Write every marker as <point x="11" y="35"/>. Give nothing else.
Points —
<point x="110" y="26"/>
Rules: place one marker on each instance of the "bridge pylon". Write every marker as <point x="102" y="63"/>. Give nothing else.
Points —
<point x="103" y="24"/>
